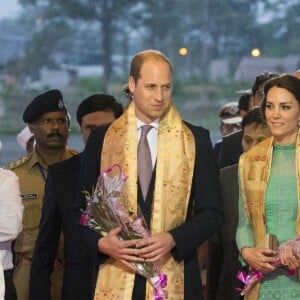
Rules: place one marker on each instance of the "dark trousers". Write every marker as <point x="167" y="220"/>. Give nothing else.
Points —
<point x="10" y="291"/>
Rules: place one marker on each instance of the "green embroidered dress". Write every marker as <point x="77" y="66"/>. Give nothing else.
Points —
<point x="281" y="207"/>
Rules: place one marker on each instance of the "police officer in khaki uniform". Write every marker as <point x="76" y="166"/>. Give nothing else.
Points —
<point x="48" y="120"/>
<point x="60" y="192"/>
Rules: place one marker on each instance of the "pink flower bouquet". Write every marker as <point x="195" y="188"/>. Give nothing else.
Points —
<point x="106" y="210"/>
<point x="255" y="276"/>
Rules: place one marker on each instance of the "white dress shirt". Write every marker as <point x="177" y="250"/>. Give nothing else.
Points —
<point x="11" y="213"/>
<point x="152" y="137"/>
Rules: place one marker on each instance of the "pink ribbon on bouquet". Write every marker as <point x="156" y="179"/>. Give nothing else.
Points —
<point x="123" y="176"/>
<point x="249" y="279"/>
<point x="160" y="283"/>
<point x="84" y="219"/>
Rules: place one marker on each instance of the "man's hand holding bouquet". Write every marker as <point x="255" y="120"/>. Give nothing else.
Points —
<point x="125" y="235"/>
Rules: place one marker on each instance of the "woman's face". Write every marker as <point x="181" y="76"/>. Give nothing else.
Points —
<point x="282" y="115"/>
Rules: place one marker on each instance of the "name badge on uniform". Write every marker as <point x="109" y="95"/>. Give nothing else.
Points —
<point x="32" y="196"/>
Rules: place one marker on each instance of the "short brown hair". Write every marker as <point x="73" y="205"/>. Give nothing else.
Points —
<point x="138" y="60"/>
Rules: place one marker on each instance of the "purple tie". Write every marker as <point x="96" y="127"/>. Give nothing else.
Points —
<point x="144" y="161"/>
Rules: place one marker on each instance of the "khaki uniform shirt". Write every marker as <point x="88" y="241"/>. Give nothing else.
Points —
<point x="32" y="173"/>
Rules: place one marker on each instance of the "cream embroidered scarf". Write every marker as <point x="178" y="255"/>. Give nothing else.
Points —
<point x="254" y="170"/>
<point x="173" y="181"/>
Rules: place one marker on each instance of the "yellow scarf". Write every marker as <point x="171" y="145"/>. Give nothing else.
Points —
<point x="254" y="170"/>
<point x="173" y="182"/>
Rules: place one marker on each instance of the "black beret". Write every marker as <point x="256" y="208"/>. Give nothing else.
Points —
<point x="98" y="102"/>
<point x="49" y="101"/>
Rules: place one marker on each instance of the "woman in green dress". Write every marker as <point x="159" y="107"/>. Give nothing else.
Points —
<point x="269" y="192"/>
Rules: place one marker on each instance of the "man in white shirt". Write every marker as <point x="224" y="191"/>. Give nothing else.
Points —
<point x="11" y="212"/>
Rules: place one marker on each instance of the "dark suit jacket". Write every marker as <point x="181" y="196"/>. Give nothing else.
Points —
<point x="231" y="149"/>
<point x="57" y="214"/>
<point x="217" y="148"/>
<point x="204" y="216"/>
<point x="223" y="256"/>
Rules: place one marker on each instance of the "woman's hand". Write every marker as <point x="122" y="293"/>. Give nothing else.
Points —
<point x="289" y="259"/>
<point x="260" y="259"/>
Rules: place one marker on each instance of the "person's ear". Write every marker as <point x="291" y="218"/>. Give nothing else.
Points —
<point x="31" y="127"/>
<point x="131" y="84"/>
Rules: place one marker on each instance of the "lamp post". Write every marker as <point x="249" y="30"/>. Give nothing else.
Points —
<point x="255" y="52"/>
<point x="183" y="52"/>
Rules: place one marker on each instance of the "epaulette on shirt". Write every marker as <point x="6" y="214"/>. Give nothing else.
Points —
<point x="18" y="162"/>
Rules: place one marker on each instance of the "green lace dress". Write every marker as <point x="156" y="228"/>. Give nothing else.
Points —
<point x="281" y="207"/>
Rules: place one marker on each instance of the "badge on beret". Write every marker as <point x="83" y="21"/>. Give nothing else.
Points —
<point x="60" y="104"/>
<point x="233" y="109"/>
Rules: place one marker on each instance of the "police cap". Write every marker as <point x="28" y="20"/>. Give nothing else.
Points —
<point x="230" y="113"/>
<point x="49" y="101"/>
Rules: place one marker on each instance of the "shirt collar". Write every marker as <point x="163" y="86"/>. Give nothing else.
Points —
<point x="36" y="159"/>
<point x="154" y="124"/>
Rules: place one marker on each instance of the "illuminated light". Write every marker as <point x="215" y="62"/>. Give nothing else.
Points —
<point x="255" y="52"/>
<point x="183" y="51"/>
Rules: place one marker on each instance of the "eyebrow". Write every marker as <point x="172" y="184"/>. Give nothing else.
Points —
<point x="280" y="102"/>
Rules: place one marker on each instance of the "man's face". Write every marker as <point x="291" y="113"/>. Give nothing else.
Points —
<point x="51" y="130"/>
<point x="153" y="90"/>
<point x="229" y="128"/>
<point x="251" y="105"/>
<point x="253" y="135"/>
<point x="93" y="120"/>
<point x="259" y="96"/>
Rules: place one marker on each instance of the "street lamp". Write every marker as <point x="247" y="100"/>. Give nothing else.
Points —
<point x="255" y="52"/>
<point x="183" y="51"/>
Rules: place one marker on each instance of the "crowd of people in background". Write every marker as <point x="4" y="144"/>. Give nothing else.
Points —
<point x="208" y="207"/>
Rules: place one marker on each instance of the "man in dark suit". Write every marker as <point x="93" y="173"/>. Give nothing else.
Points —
<point x="231" y="148"/>
<point x="230" y="121"/>
<point x="223" y="256"/>
<point x="182" y="205"/>
<point x="57" y="213"/>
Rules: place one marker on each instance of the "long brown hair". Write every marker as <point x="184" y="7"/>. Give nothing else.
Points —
<point x="286" y="81"/>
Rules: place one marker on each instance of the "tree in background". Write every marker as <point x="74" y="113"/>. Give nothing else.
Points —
<point x="107" y="33"/>
<point x="209" y="30"/>
<point x="280" y="23"/>
<point x="109" y="14"/>
<point x="224" y="29"/>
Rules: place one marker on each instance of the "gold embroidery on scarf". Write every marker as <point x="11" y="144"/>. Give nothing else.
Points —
<point x="253" y="192"/>
<point x="173" y="181"/>
<point x="252" y="173"/>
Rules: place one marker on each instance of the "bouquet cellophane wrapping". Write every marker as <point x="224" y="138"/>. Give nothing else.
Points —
<point x="106" y="209"/>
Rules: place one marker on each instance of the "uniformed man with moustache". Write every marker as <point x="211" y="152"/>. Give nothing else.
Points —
<point x="61" y="189"/>
<point x="48" y="119"/>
